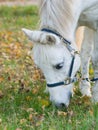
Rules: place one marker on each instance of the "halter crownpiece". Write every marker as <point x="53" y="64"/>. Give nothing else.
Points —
<point x="68" y="43"/>
<point x="57" y="34"/>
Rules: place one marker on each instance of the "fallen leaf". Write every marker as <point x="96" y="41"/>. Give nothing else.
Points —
<point x="61" y="113"/>
<point x="71" y="114"/>
<point x="18" y="129"/>
<point x="23" y="121"/>
<point x="30" y="110"/>
<point x="44" y="103"/>
<point x="30" y="117"/>
<point x="0" y="120"/>
<point x="28" y="98"/>
<point x="91" y="112"/>
<point x="70" y="121"/>
<point x="1" y="79"/>
<point x="52" y="128"/>
<point x="34" y="90"/>
<point x="5" y="128"/>
<point x="1" y="94"/>
<point x="86" y="100"/>
<point x="40" y="119"/>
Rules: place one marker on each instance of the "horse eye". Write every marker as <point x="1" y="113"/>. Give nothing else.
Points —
<point x="59" y="66"/>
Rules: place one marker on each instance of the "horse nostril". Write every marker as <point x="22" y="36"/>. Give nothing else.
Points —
<point x="62" y="105"/>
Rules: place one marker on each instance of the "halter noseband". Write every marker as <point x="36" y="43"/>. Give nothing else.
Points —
<point x="73" y="52"/>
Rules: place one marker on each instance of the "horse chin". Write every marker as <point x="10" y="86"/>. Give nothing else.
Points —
<point x="61" y="105"/>
<point x="62" y="101"/>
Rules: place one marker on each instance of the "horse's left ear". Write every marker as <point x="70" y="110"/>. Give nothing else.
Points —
<point x="32" y="35"/>
<point x="41" y="37"/>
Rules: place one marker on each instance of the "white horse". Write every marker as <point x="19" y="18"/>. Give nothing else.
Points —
<point x="55" y="50"/>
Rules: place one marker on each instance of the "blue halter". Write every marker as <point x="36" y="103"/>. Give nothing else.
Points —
<point x="69" y="80"/>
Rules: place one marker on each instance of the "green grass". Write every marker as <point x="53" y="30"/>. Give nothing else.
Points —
<point x="23" y="103"/>
<point x="18" y="17"/>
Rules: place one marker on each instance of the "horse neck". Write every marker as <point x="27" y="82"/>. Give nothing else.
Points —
<point x="61" y="16"/>
<point x="88" y="3"/>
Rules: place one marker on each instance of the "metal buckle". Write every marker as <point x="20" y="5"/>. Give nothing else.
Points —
<point x="67" y="81"/>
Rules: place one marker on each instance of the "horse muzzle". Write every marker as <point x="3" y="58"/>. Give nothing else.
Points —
<point x="65" y="104"/>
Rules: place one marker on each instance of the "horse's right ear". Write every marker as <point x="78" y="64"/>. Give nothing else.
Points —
<point x="41" y="37"/>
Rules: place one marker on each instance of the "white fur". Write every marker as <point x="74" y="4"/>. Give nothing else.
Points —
<point x="65" y="16"/>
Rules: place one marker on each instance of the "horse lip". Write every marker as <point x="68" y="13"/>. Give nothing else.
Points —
<point x="61" y="105"/>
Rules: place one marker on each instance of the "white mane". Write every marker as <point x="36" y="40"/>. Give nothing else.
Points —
<point x="56" y="14"/>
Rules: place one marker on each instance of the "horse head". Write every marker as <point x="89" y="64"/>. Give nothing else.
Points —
<point x="55" y="60"/>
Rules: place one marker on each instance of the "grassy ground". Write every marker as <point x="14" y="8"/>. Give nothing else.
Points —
<point x="23" y="104"/>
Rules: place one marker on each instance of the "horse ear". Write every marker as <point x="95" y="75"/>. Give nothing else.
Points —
<point x="32" y="35"/>
<point x="40" y="37"/>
